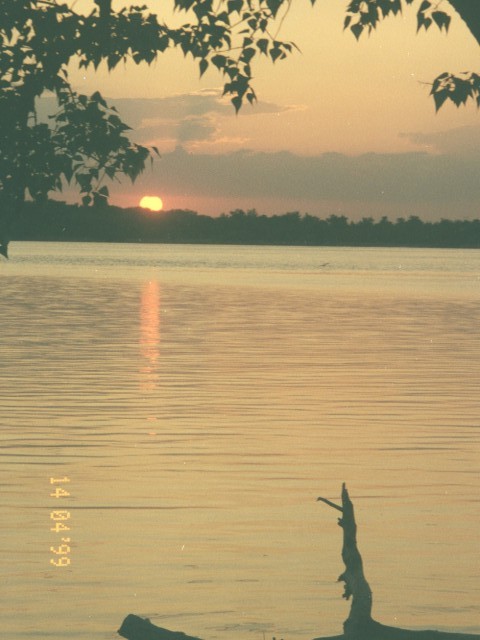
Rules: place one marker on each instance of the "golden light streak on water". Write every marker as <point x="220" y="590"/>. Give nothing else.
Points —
<point x="149" y="339"/>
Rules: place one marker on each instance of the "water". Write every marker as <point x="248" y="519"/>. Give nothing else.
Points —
<point x="198" y="399"/>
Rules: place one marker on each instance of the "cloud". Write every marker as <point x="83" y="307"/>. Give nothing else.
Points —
<point x="432" y="186"/>
<point x="458" y="141"/>
<point x="186" y="118"/>
<point x="196" y="128"/>
<point x="195" y="103"/>
<point x="176" y="108"/>
<point x="403" y="178"/>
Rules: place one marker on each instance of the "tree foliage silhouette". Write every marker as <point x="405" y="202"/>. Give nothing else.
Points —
<point x="364" y="16"/>
<point x="85" y="141"/>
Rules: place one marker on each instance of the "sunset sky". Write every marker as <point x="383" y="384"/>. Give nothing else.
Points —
<point x="344" y="128"/>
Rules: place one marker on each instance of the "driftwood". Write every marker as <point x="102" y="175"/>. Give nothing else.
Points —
<point x="135" y="628"/>
<point x="358" y="626"/>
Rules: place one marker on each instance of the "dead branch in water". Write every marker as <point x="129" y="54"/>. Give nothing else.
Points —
<point x="356" y="586"/>
<point x="360" y="625"/>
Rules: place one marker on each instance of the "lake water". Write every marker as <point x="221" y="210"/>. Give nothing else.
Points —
<point x="195" y="400"/>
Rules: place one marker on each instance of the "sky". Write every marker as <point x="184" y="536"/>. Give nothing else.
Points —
<point x="343" y="128"/>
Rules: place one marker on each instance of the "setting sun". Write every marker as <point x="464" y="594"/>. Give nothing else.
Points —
<point x="154" y="203"/>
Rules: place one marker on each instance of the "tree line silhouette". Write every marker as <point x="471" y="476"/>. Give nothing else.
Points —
<point x="58" y="221"/>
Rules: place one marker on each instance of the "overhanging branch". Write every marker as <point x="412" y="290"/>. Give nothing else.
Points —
<point x="469" y="11"/>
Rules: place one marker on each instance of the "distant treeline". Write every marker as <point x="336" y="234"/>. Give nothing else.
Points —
<point x="58" y="221"/>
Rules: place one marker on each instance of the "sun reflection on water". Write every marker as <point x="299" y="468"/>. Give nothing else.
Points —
<point x="149" y="339"/>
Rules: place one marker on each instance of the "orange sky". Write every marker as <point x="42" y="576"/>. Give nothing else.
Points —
<point x="338" y="96"/>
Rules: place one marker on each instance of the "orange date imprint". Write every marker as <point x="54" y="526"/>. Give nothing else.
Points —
<point x="58" y="517"/>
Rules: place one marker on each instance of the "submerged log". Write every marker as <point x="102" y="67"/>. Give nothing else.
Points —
<point x="136" y="628"/>
<point x="358" y="626"/>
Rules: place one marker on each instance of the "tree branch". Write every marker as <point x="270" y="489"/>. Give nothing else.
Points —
<point x="470" y="13"/>
<point x="330" y="503"/>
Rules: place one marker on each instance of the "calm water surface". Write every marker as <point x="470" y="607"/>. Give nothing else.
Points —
<point x="199" y="399"/>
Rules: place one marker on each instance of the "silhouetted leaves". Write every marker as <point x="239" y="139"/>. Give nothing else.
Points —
<point x="456" y="88"/>
<point x="365" y="14"/>
<point x="441" y="19"/>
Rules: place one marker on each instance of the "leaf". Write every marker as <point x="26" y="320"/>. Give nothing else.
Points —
<point x="439" y="98"/>
<point x="237" y="103"/>
<point x="275" y="53"/>
<point x="248" y="54"/>
<point x="234" y="6"/>
<point x="356" y="29"/>
<point x="96" y="97"/>
<point x="227" y="88"/>
<point x="203" y="66"/>
<point x="461" y="92"/>
<point x="441" y="19"/>
<point x="232" y="72"/>
<point x="423" y="21"/>
<point x="274" y="6"/>
<point x="219" y="61"/>
<point x="425" y="5"/>
<point x="262" y="45"/>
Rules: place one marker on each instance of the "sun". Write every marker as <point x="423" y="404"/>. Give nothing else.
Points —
<point x="153" y="203"/>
